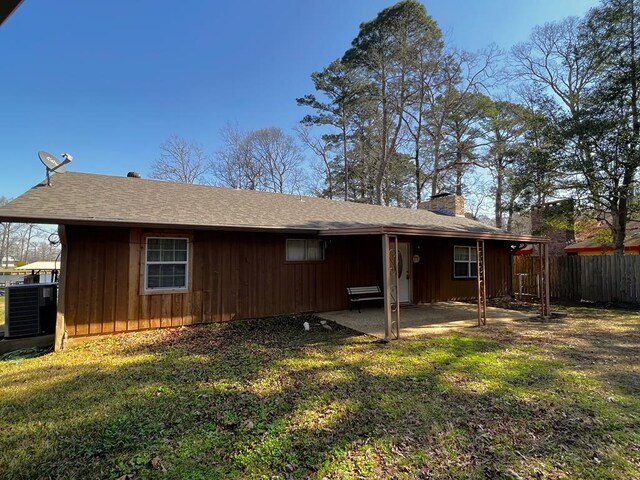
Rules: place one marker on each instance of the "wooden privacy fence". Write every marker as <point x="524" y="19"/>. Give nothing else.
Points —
<point x="600" y="278"/>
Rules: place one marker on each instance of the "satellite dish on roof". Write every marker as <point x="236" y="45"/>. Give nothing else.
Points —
<point x="52" y="164"/>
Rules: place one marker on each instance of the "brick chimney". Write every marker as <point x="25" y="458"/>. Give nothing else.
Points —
<point x="445" y="204"/>
<point x="556" y="221"/>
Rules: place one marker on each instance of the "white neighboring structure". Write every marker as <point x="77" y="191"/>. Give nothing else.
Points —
<point x="40" y="266"/>
<point x="9" y="262"/>
<point x="46" y="271"/>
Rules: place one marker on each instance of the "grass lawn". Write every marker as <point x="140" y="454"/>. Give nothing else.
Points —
<point x="264" y="399"/>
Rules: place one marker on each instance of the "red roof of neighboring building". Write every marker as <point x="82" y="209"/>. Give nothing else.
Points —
<point x="590" y="245"/>
<point x="526" y="250"/>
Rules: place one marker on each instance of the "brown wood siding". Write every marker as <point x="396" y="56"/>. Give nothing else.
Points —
<point x="232" y="276"/>
<point x="433" y="276"/>
<point x="245" y="275"/>
<point x="97" y="280"/>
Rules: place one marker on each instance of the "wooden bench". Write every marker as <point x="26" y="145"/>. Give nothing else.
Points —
<point x="363" y="294"/>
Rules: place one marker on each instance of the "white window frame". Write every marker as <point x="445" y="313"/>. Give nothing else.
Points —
<point x="147" y="263"/>
<point x="306" y="249"/>
<point x="468" y="262"/>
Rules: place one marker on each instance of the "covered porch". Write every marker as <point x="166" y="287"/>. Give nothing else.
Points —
<point x="421" y="276"/>
<point x="429" y="319"/>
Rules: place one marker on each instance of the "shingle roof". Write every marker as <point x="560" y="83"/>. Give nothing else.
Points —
<point x="80" y="198"/>
<point x="631" y="242"/>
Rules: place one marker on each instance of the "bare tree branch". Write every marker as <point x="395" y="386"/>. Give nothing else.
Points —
<point x="181" y="161"/>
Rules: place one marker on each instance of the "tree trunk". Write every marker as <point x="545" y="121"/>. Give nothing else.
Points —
<point x="346" y="163"/>
<point x="620" y="216"/>
<point x="2" y="249"/>
<point x="619" y="232"/>
<point x="510" y="214"/>
<point x="7" y="237"/>
<point x="29" y="238"/>
<point x="498" y="204"/>
<point x="382" y="161"/>
<point x="418" y="188"/>
<point x="459" y="172"/>
<point x="417" y="138"/>
<point x="436" y="166"/>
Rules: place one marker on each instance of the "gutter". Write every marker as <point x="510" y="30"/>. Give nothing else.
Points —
<point x="425" y="232"/>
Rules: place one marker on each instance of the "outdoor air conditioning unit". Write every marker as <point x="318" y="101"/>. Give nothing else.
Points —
<point x="30" y="310"/>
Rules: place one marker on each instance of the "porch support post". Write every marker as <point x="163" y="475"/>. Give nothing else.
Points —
<point x="396" y="287"/>
<point x="386" y="278"/>
<point x="545" y="307"/>
<point x="547" y="283"/>
<point x="482" y="287"/>
<point x="60" y="333"/>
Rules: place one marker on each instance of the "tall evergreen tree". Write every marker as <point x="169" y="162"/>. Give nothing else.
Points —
<point x="385" y="54"/>
<point x="504" y="126"/>
<point x="342" y="90"/>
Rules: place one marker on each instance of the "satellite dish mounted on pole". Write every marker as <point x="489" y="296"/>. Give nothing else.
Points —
<point x="52" y="164"/>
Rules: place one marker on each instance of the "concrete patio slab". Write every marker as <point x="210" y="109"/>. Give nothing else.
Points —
<point x="434" y="318"/>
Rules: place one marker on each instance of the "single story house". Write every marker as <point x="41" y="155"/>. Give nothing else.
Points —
<point x="590" y="247"/>
<point x="591" y="242"/>
<point x="139" y="254"/>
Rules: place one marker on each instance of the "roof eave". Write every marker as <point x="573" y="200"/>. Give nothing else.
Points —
<point x="602" y="248"/>
<point x="367" y="230"/>
<point x="426" y="232"/>
<point x="155" y="225"/>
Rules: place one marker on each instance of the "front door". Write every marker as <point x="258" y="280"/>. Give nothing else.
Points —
<point x="404" y="266"/>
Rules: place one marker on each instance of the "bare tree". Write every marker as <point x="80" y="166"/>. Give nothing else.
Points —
<point x="321" y="147"/>
<point x="26" y="236"/>
<point x="181" y="161"/>
<point x="552" y="58"/>
<point x="477" y="194"/>
<point x="279" y="157"/>
<point x="45" y="250"/>
<point x="235" y="165"/>
<point x="265" y="159"/>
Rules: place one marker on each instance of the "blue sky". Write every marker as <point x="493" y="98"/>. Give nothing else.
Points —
<point x="108" y="82"/>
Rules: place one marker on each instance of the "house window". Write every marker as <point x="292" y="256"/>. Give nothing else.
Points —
<point x="464" y="262"/>
<point x="305" y="250"/>
<point x="167" y="264"/>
